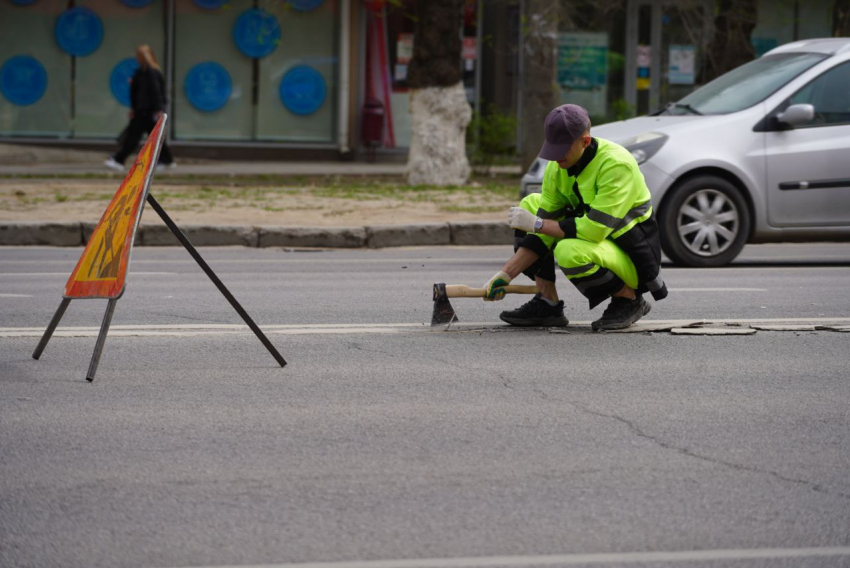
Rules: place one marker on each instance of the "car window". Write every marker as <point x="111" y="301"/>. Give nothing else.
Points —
<point x="746" y="85"/>
<point x="829" y="93"/>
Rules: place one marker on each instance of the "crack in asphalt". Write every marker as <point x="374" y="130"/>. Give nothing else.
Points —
<point x="358" y="347"/>
<point x="689" y="453"/>
<point x="817" y="487"/>
<point x="184" y="317"/>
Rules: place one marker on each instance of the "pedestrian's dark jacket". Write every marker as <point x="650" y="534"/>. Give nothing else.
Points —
<point x="147" y="91"/>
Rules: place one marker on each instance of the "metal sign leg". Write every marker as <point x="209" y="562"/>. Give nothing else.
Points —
<point x="101" y="339"/>
<point x="51" y="328"/>
<point x="218" y="283"/>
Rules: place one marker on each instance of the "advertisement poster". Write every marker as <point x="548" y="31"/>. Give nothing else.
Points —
<point x="681" y="68"/>
<point x="404" y="48"/>
<point x="644" y="61"/>
<point x="583" y="70"/>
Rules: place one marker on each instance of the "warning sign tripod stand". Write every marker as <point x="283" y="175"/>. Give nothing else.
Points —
<point x="102" y="269"/>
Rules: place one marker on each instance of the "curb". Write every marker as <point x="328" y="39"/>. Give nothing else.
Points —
<point x="72" y="234"/>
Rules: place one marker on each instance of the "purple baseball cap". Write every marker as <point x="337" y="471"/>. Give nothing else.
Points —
<point x="564" y="125"/>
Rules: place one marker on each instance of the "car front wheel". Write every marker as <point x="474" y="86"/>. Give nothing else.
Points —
<point x="705" y="222"/>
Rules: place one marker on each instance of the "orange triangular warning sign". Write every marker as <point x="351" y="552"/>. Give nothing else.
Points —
<point x="102" y="269"/>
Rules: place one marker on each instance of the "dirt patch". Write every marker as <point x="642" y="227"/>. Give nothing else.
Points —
<point x="300" y="202"/>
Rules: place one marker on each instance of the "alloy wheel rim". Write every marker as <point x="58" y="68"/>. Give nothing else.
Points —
<point x="708" y="222"/>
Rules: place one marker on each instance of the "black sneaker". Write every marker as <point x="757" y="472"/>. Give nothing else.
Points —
<point x="536" y="313"/>
<point x="621" y="313"/>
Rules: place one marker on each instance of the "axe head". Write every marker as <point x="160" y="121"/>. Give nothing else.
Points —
<point x="443" y="313"/>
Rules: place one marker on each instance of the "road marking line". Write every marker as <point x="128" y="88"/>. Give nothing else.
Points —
<point x="192" y="330"/>
<point x="717" y="289"/>
<point x="15" y="295"/>
<point x="69" y="273"/>
<point x="569" y="559"/>
<point x="277" y="259"/>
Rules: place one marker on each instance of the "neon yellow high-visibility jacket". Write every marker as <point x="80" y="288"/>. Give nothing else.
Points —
<point x="604" y="196"/>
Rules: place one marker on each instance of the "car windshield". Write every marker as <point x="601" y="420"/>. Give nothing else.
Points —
<point x="745" y="86"/>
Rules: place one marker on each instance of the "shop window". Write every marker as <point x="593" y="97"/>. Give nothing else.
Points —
<point x="213" y="80"/>
<point x="297" y="81"/>
<point x="35" y="74"/>
<point x="271" y="75"/>
<point x="101" y="87"/>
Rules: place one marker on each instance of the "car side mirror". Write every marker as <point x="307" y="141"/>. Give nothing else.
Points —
<point x="796" y="115"/>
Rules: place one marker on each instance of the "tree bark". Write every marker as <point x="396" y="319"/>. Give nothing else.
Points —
<point x="438" y="106"/>
<point x="731" y="46"/>
<point x="539" y="80"/>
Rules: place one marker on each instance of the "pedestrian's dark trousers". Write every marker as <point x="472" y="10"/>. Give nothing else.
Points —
<point x="140" y="124"/>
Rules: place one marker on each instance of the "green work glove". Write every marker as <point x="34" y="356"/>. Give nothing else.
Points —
<point x="494" y="286"/>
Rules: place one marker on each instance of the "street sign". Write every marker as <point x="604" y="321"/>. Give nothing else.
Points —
<point x="101" y="271"/>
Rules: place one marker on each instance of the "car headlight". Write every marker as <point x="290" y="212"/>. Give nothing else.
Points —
<point x="645" y="146"/>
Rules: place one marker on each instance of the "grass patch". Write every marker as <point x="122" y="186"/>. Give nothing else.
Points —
<point x="338" y="212"/>
<point x="472" y="208"/>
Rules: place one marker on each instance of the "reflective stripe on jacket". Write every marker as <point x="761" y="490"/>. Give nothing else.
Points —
<point x="604" y="196"/>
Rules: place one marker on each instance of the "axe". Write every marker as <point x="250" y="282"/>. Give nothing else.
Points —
<point x="443" y="311"/>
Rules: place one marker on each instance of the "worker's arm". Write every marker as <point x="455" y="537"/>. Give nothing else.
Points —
<point x="522" y="259"/>
<point x="618" y="190"/>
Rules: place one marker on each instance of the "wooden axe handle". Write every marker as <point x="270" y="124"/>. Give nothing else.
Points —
<point x="461" y="291"/>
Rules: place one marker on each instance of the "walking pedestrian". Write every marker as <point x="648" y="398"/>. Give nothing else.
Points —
<point x="147" y="103"/>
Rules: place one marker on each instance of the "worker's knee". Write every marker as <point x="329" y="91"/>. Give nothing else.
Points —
<point x="571" y="253"/>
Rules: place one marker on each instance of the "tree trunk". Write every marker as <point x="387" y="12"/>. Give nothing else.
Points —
<point x="841" y="18"/>
<point x="438" y="106"/>
<point x="731" y="45"/>
<point x="539" y="62"/>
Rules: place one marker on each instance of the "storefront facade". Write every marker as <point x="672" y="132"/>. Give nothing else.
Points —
<point x="304" y="74"/>
<point x="238" y="72"/>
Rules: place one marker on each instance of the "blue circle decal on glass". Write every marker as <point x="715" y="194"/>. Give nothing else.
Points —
<point x="209" y="4"/>
<point x="208" y="86"/>
<point x="79" y="31"/>
<point x="136" y="3"/>
<point x="256" y="33"/>
<point x="305" y="5"/>
<point x="119" y="80"/>
<point x="302" y="90"/>
<point x="23" y="80"/>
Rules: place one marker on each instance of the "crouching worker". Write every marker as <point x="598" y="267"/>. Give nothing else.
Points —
<point x="594" y="218"/>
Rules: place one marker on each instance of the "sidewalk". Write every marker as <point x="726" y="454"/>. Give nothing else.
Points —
<point x="214" y="168"/>
<point x="40" y="161"/>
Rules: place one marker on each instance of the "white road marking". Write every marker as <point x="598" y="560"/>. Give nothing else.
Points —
<point x="192" y="330"/>
<point x="717" y="289"/>
<point x="570" y="559"/>
<point x="67" y="274"/>
<point x="277" y="259"/>
<point x="15" y="295"/>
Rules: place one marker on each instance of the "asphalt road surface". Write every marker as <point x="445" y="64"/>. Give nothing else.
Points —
<point x="386" y="443"/>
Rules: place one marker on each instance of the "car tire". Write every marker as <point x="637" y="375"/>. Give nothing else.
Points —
<point x="704" y="222"/>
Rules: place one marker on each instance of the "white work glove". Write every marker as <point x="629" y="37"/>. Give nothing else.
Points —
<point x="519" y="218"/>
<point x="494" y="286"/>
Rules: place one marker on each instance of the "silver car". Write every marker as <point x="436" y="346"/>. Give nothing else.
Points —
<point x="760" y="154"/>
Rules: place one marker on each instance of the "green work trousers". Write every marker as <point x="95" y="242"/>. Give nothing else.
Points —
<point x="596" y="269"/>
